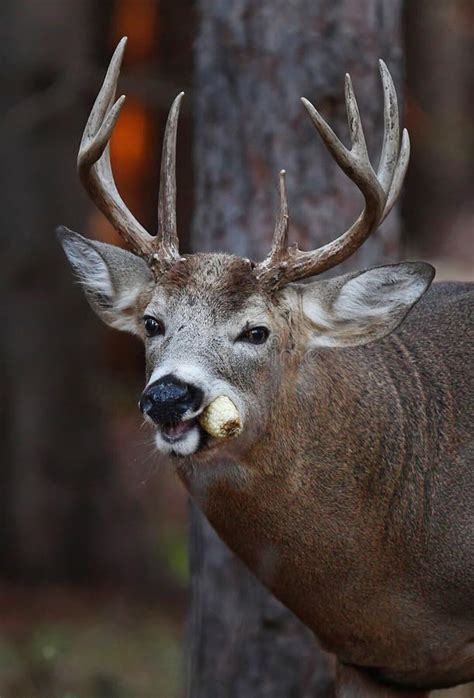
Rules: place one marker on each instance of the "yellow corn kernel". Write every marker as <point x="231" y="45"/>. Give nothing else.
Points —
<point x="221" y="419"/>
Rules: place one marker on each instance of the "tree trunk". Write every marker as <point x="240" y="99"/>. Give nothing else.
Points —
<point x="58" y="492"/>
<point x="254" y="60"/>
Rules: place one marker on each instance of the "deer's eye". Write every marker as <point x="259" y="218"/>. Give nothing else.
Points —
<point x="254" y="335"/>
<point x="153" y="327"/>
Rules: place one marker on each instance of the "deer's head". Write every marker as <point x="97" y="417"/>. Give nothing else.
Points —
<point x="216" y="324"/>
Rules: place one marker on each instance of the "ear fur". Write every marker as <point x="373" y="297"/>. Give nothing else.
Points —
<point x="361" y="307"/>
<point x="111" y="277"/>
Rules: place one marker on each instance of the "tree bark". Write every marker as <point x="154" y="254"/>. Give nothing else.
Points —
<point x="254" y="60"/>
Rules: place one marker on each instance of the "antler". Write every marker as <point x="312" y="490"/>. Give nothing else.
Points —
<point x="95" y="171"/>
<point x="285" y="264"/>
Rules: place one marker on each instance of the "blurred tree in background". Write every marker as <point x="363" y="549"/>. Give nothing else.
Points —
<point x="439" y="201"/>
<point x="253" y="63"/>
<point x="87" y="603"/>
<point x="55" y="463"/>
<point x="66" y="510"/>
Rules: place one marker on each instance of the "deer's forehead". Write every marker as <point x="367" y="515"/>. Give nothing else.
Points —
<point x="216" y="286"/>
<point x="207" y="305"/>
<point x="215" y="271"/>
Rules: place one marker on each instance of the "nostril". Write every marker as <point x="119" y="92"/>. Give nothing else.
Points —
<point x="145" y="404"/>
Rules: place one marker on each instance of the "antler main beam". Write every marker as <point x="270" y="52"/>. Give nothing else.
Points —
<point x="95" y="171"/>
<point x="380" y="190"/>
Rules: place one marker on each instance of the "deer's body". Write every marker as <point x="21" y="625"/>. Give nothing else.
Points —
<point x="357" y="506"/>
<point x="349" y="488"/>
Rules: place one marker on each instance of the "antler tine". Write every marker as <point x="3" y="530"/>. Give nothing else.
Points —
<point x="391" y="136"/>
<point x="359" y="147"/>
<point x="280" y="233"/>
<point x="354" y="163"/>
<point x="103" y="102"/>
<point x="398" y="174"/>
<point x="93" y="161"/>
<point x="167" y="243"/>
<point x="380" y="190"/>
<point x="279" y="250"/>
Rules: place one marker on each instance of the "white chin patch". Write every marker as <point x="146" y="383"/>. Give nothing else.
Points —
<point x="185" y="446"/>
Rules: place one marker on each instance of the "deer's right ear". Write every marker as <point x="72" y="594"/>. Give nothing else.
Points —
<point x="112" y="278"/>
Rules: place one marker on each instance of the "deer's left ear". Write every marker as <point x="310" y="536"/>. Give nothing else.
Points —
<point x="112" y="278"/>
<point x="360" y="307"/>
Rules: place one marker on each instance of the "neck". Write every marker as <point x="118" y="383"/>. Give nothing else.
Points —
<point x="348" y="429"/>
<point x="336" y="490"/>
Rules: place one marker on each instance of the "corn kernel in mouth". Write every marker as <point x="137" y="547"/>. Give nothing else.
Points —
<point x="221" y="419"/>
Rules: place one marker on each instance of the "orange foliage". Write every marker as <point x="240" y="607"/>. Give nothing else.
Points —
<point x="130" y="142"/>
<point x="137" y="19"/>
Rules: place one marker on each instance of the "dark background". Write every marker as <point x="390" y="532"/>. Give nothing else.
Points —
<point x="93" y="540"/>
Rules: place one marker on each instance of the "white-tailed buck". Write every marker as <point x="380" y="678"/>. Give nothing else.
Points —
<point x="348" y="486"/>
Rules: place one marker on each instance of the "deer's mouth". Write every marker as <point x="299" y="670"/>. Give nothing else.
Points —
<point x="177" y="431"/>
<point x="180" y="439"/>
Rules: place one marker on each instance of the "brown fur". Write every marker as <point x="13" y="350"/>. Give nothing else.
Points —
<point x="360" y="494"/>
<point x="357" y="504"/>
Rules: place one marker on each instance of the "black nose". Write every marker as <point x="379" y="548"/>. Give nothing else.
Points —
<point x="167" y="400"/>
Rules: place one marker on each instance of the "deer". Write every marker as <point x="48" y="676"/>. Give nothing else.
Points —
<point x="348" y="490"/>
